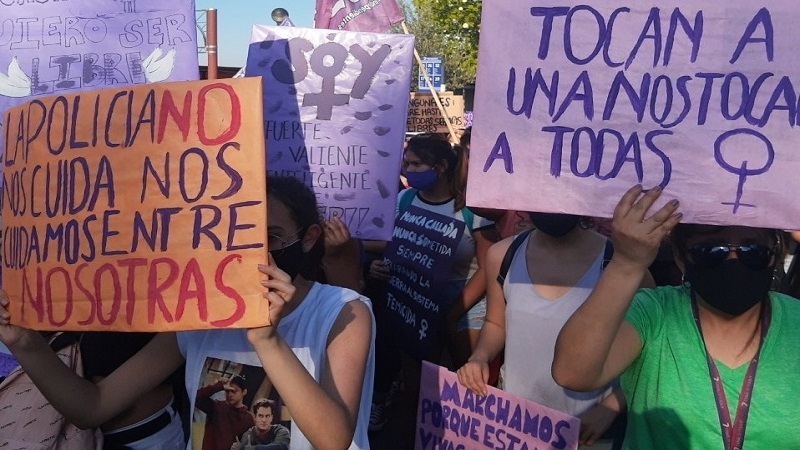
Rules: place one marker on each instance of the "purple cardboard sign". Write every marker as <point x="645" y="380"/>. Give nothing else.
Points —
<point x="50" y="47"/>
<point x="420" y="257"/>
<point x="450" y="416"/>
<point x="698" y="97"/>
<point x="7" y="364"/>
<point x="335" y="106"/>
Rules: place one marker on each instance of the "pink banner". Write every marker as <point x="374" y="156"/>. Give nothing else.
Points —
<point x="376" y="16"/>
<point x="450" y="416"/>
<point x="698" y="97"/>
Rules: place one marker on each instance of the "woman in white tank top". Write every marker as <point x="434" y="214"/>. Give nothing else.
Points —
<point x="550" y="275"/>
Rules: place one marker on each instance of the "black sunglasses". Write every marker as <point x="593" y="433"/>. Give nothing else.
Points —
<point x="753" y="256"/>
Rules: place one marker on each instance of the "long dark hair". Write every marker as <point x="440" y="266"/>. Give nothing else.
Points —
<point x="433" y="149"/>
<point x="302" y="205"/>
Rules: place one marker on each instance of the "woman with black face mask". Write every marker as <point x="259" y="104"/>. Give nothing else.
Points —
<point x="317" y="353"/>
<point x="534" y="283"/>
<point x="708" y="364"/>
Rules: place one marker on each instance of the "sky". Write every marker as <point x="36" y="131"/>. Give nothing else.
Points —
<point x="236" y="17"/>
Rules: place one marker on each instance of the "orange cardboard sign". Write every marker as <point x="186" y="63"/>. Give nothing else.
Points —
<point x="140" y="208"/>
<point x="424" y="115"/>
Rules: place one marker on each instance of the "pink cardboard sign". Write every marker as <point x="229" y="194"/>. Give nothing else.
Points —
<point x="696" y="97"/>
<point x="450" y="416"/>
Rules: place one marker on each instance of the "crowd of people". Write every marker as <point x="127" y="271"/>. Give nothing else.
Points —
<point x="563" y="310"/>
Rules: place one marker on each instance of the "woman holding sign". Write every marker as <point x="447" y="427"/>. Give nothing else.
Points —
<point x="535" y="281"/>
<point x="721" y="342"/>
<point x="433" y="168"/>
<point x="317" y="353"/>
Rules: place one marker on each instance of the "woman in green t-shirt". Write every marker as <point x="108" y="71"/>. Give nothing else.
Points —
<point x="708" y="364"/>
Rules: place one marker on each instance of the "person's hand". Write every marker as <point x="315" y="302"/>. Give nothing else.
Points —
<point x="279" y="292"/>
<point x="595" y="422"/>
<point x="474" y="374"/>
<point x="337" y="236"/>
<point x="637" y="235"/>
<point x="10" y="334"/>
<point x="379" y="270"/>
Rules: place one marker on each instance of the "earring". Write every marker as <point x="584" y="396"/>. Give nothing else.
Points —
<point x="777" y="278"/>
<point x="684" y="282"/>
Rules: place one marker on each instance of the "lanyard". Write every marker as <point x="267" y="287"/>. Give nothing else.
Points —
<point x="733" y="436"/>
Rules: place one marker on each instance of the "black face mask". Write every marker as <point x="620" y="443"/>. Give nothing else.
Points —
<point x="552" y="224"/>
<point x="730" y="287"/>
<point x="290" y="259"/>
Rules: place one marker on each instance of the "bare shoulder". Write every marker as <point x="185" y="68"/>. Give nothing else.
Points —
<point x="499" y="249"/>
<point x="354" y="319"/>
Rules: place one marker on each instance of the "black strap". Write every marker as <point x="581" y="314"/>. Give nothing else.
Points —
<point x="64" y="340"/>
<point x="506" y="264"/>
<point x="608" y="253"/>
<point x="118" y="440"/>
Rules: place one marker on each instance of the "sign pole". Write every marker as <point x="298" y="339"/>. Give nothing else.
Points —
<point x="424" y="71"/>
<point x="211" y="44"/>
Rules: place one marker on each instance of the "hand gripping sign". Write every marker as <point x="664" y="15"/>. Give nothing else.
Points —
<point x="696" y="97"/>
<point x="136" y="208"/>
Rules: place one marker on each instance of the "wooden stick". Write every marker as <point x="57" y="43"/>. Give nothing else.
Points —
<point x="436" y="99"/>
<point x="211" y="45"/>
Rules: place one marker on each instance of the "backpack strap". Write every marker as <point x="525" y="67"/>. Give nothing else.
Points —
<point x="63" y="340"/>
<point x="506" y="264"/>
<point x="469" y="219"/>
<point x="406" y="198"/>
<point x="608" y="253"/>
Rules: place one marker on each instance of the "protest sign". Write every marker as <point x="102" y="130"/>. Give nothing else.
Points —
<point x="696" y="97"/>
<point x="451" y="416"/>
<point x="420" y="256"/>
<point x="358" y="15"/>
<point x="50" y="47"/>
<point x="136" y="208"/>
<point x="335" y="114"/>
<point x="425" y="117"/>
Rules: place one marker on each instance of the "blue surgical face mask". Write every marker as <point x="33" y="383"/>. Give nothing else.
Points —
<point x="422" y="180"/>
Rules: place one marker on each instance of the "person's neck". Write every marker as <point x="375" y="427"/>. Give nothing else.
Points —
<point x="732" y="340"/>
<point x="714" y="320"/>
<point x="301" y="289"/>
<point x="263" y="433"/>
<point x="439" y="193"/>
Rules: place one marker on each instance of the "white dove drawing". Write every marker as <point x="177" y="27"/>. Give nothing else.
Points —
<point x="17" y="83"/>
<point x="158" y="65"/>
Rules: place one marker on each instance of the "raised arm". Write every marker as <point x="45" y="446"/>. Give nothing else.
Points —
<point x="82" y="402"/>
<point x="476" y="285"/>
<point x="326" y="412"/>
<point x="203" y="400"/>
<point x="596" y="345"/>
<point x="474" y="374"/>
<point x="342" y="258"/>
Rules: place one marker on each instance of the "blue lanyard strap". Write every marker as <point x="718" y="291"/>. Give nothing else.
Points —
<point x="733" y="434"/>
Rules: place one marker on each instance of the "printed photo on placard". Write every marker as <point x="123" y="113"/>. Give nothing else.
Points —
<point x="236" y="408"/>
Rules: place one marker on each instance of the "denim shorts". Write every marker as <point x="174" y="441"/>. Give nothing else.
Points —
<point x="474" y="318"/>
